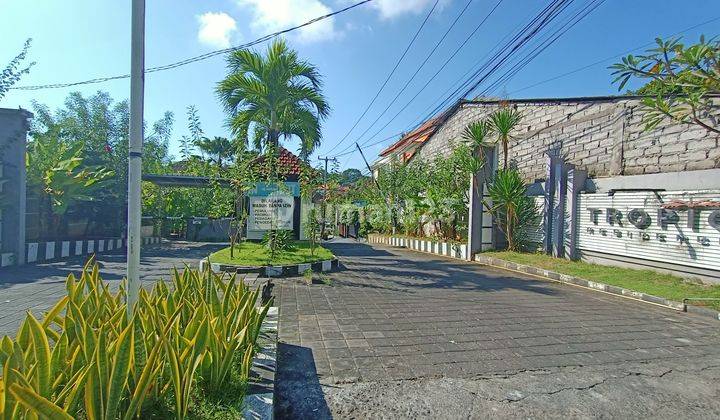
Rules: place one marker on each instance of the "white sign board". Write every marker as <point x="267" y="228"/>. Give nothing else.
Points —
<point x="641" y="225"/>
<point x="274" y="212"/>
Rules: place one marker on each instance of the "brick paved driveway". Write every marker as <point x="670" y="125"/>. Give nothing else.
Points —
<point x="403" y="334"/>
<point x="37" y="287"/>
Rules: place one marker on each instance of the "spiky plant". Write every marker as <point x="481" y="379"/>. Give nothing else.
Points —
<point x="503" y="122"/>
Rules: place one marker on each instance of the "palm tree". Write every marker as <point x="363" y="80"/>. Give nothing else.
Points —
<point x="503" y="122"/>
<point x="216" y="148"/>
<point x="274" y="95"/>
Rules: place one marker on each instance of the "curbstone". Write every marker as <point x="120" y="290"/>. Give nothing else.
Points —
<point x="294" y="270"/>
<point x="601" y="287"/>
<point x="443" y="249"/>
<point x="260" y="400"/>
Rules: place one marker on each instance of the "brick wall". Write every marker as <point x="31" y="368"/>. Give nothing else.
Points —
<point x="603" y="135"/>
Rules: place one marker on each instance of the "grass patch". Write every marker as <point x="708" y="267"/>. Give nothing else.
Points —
<point x="254" y="254"/>
<point x="646" y="281"/>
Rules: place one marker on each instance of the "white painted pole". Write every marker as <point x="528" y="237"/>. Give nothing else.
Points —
<point x="137" y="87"/>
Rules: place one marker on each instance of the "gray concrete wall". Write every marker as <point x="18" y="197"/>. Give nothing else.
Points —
<point x="604" y="136"/>
<point x="14" y="125"/>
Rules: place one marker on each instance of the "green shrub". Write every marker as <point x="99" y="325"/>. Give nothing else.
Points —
<point x="378" y="216"/>
<point x="312" y="230"/>
<point x="87" y="359"/>
<point x="277" y="241"/>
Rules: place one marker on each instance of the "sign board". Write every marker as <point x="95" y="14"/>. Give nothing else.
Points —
<point x="264" y="189"/>
<point x="272" y="212"/>
<point x="671" y="227"/>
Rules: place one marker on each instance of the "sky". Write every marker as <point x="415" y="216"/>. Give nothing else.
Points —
<point x="83" y="39"/>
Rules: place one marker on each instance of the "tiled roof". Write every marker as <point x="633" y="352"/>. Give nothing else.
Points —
<point x="289" y="163"/>
<point x="417" y="136"/>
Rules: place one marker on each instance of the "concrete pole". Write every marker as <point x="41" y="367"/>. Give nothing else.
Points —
<point x="137" y="87"/>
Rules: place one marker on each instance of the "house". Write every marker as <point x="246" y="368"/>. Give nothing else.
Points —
<point x="407" y="146"/>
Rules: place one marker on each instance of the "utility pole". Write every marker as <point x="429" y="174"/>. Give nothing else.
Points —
<point x="137" y="93"/>
<point x="325" y="186"/>
<point x="377" y="184"/>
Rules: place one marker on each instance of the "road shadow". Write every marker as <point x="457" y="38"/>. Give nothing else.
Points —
<point x="406" y="271"/>
<point x="156" y="262"/>
<point x="298" y="393"/>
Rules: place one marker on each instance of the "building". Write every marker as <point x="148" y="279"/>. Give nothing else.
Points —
<point x="404" y="149"/>
<point x="609" y="190"/>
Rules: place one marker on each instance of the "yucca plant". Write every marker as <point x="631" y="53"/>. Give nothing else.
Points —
<point x="513" y="209"/>
<point x="503" y="122"/>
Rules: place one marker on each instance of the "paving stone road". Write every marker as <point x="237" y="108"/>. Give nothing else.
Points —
<point x="37" y="287"/>
<point x="400" y="334"/>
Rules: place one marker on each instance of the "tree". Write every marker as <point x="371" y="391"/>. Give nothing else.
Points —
<point x="13" y="71"/>
<point x="272" y="96"/>
<point x="350" y="176"/>
<point x="196" y="133"/>
<point x="679" y="81"/>
<point x="503" y="122"/>
<point x="97" y="126"/>
<point x="218" y="149"/>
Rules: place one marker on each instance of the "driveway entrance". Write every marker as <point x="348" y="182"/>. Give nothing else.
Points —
<point x="400" y="334"/>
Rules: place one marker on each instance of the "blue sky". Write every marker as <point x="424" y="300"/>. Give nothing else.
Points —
<point x="83" y="39"/>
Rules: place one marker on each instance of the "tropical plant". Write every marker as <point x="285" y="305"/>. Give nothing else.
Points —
<point x="679" y="81"/>
<point x="69" y="182"/>
<point x="13" y="71"/>
<point x="277" y="241"/>
<point x="87" y="359"/>
<point x="477" y="133"/>
<point x="57" y="170"/>
<point x="312" y="230"/>
<point x="514" y="211"/>
<point x="98" y="126"/>
<point x="503" y="121"/>
<point x="272" y="96"/>
<point x="218" y="149"/>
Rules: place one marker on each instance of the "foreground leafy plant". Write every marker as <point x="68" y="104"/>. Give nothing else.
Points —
<point x="87" y="359"/>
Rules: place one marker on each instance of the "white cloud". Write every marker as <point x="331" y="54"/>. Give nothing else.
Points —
<point x="392" y="8"/>
<point x="216" y="29"/>
<point x="273" y="15"/>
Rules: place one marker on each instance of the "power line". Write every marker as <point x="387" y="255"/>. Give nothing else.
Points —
<point x="536" y="24"/>
<point x="587" y="66"/>
<point x="520" y="39"/>
<point x="446" y="62"/>
<point x="462" y="78"/>
<point x="563" y="28"/>
<point x="412" y="77"/>
<point x="196" y="58"/>
<point x="387" y="79"/>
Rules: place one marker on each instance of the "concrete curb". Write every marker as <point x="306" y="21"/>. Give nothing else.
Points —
<point x="274" y="271"/>
<point x="443" y="249"/>
<point x="260" y="400"/>
<point x="37" y="252"/>
<point x="591" y="285"/>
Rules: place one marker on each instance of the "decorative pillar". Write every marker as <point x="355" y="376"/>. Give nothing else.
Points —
<point x="548" y="207"/>
<point x="575" y="184"/>
<point x="480" y="229"/>
<point x="558" y="208"/>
